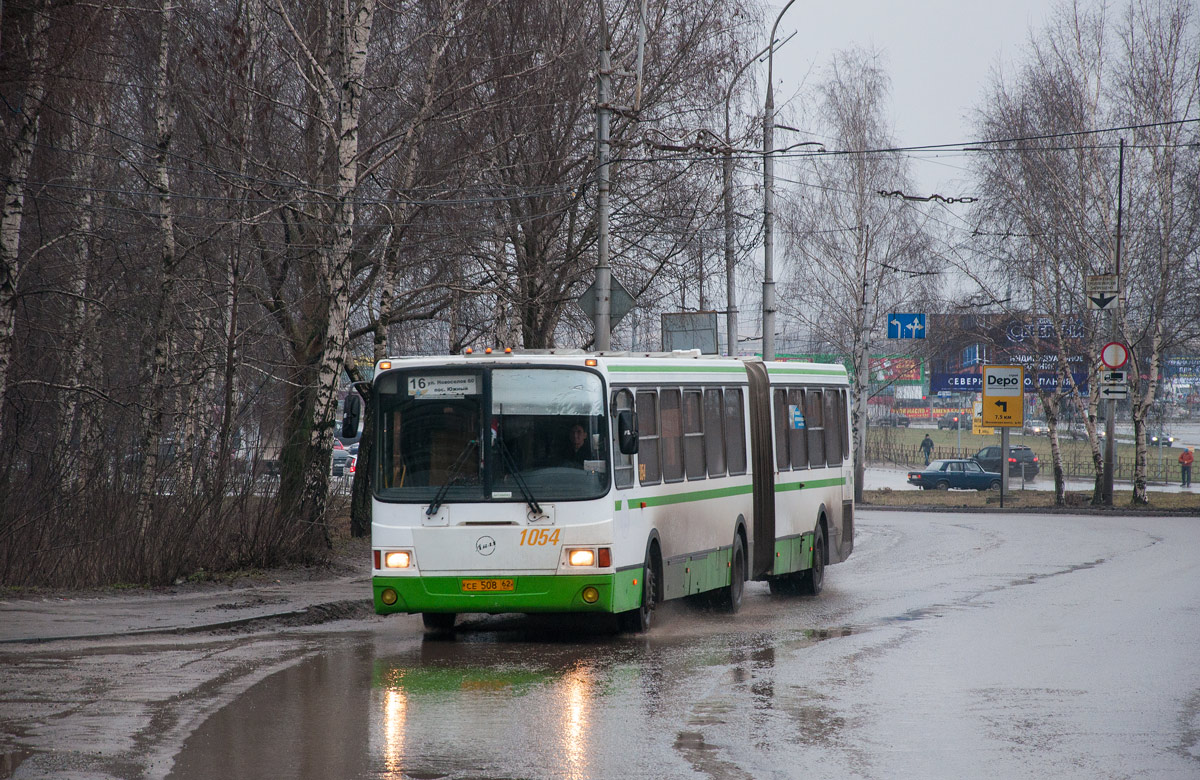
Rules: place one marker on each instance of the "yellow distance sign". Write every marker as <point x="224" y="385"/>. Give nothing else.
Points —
<point x="1004" y="396"/>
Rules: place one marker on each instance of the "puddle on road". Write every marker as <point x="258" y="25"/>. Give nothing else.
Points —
<point x="504" y="698"/>
<point x="11" y="759"/>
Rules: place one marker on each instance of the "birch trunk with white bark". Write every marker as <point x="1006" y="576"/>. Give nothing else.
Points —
<point x="355" y="32"/>
<point x="12" y="209"/>
<point x="155" y="399"/>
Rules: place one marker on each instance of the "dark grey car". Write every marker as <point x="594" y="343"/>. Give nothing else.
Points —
<point x="1020" y="458"/>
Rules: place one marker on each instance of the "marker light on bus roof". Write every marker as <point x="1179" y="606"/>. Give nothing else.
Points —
<point x="384" y="365"/>
<point x="581" y="557"/>
<point x="590" y="362"/>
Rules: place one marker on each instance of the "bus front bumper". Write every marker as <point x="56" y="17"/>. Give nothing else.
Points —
<point x="614" y="592"/>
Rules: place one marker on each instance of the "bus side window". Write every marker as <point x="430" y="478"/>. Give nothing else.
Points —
<point x="833" y="427"/>
<point x="622" y="400"/>
<point x="714" y="435"/>
<point x="814" y="421"/>
<point x="781" y="430"/>
<point x="798" y="436"/>
<point x="647" y="412"/>
<point x="693" y="436"/>
<point x="671" y="434"/>
<point x="843" y="413"/>
<point x="735" y="431"/>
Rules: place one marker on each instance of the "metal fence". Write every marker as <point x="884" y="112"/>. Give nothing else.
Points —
<point x="910" y="456"/>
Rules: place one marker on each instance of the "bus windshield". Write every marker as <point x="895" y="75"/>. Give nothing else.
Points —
<point x="491" y="434"/>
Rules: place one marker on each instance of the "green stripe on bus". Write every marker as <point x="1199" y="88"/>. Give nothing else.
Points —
<point x="820" y="371"/>
<point x="812" y="483"/>
<point x="738" y="490"/>
<point x="667" y="369"/>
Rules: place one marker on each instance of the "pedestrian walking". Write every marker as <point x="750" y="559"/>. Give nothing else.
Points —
<point x="1185" y="466"/>
<point x="927" y="448"/>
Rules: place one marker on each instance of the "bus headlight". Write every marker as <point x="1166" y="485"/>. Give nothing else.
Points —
<point x="398" y="559"/>
<point x="581" y="557"/>
<point x="591" y="595"/>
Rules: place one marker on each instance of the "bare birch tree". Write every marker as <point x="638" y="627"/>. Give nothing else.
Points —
<point x="1048" y="218"/>
<point x="854" y="255"/>
<point x="34" y="46"/>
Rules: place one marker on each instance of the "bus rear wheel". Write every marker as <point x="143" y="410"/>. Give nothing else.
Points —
<point x="637" y="621"/>
<point x="812" y="580"/>
<point x="438" y="621"/>
<point x="730" y="599"/>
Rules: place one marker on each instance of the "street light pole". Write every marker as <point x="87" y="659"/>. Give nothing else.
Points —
<point x="731" y="310"/>
<point x="768" y="294"/>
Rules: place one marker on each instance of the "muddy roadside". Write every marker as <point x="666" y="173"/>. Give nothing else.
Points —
<point x="108" y="683"/>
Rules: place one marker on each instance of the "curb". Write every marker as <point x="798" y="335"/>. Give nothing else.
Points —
<point x="314" y="614"/>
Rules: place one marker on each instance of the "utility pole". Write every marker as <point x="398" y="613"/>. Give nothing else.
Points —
<point x="603" y="318"/>
<point x="768" y="294"/>
<point x="1110" y="422"/>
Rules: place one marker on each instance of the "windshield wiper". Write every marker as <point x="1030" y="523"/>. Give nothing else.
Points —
<point x="450" y="478"/>
<point x="526" y="493"/>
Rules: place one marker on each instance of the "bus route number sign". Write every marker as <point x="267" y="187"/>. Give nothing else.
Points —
<point x="443" y="386"/>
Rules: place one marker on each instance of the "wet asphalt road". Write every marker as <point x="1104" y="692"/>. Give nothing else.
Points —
<point x="948" y="646"/>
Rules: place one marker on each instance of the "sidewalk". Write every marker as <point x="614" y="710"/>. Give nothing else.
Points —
<point x="302" y="598"/>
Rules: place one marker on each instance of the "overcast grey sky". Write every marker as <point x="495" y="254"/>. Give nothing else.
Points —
<point x="939" y="54"/>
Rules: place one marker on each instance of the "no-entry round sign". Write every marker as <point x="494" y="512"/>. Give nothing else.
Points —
<point x="1114" y="354"/>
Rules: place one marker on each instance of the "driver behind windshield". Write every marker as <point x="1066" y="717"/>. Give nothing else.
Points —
<point x="579" y="447"/>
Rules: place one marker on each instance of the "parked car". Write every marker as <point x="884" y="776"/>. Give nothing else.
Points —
<point x="1020" y="458"/>
<point x="340" y="458"/>
<point x="892" y="420"/>
<point x="959" y="473"/>
<point x="955" y="421"/>
<point x="1036" y="427"/>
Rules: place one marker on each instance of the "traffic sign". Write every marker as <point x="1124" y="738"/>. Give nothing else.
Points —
<point x="1114" y="377"/>
<point x="1114" y="392"/>
<point x="1102" y="291"/>
<point x="978" y="428"/>
<point x="1004" y="396"/>
<point x="619" y="303"/>
<point x="1114" y="354"/>
<point x="906" y="326"/>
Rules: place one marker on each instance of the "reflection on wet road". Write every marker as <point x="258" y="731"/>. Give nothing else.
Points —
<point x="523" y="701"/>
<point x="946" y="647"/>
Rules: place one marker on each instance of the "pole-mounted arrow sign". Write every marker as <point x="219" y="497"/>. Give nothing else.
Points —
<point x="1101" y="301"/>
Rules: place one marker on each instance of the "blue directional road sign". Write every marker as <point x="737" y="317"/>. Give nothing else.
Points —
<point x="906" y="326"/>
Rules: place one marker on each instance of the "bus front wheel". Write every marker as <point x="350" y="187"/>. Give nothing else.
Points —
<point x="637" y="621"/>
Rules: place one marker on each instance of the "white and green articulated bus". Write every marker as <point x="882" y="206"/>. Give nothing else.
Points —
<point x="603" y="482"/>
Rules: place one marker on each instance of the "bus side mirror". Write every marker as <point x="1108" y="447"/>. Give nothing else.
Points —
<point x="627" y="432"/>
<point x="350" y="415"/>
